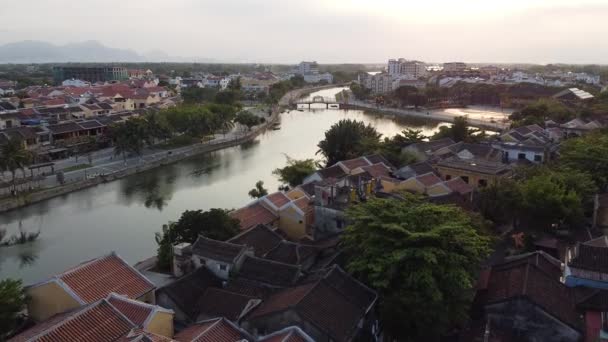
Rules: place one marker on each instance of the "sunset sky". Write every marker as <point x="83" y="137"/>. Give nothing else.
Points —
<point x="533" y="31"/>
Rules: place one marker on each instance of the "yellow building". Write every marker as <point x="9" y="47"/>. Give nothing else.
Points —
<point x="475" y="172"/>
<point x="87" y="283"/>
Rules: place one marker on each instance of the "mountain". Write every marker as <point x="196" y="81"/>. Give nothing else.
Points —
<point x="30" y="51"/>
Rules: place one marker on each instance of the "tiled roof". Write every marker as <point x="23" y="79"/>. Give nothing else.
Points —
<point x="304" y="203"/>
<point x="377" y="158"/>
<point x="352" y="164"/>
<point x="261" y="238"/>
<point x="328" y="303"/>
<point x="99" y="321"/>
<point x="278" y="199"/>
<point x="217" y="302"/>
<point x="377" y="170"/>
<point x="292" y="253"/>
<point x="214" y="330"/>
<point x="67" y="127"/>
<point x="428" y="179"/>
<point x="269" y="271"/>
<point x="90" y="124"/>
<point x="597" y="300"/>
<point x="139" y="335"/>
<point x="253" y="215"/>
<point x="96" y="279"/>
<point x="516" y="280"/>
<point x="433" y="145"/>
<point x="590" y="257"/>
<point x="289" y="334"/>
<point x="186" y="291"/>
<point x="136" y="311"/>
<point x="217" y="250"/>
<point x="459" y="186"/>
<point x="332" y="172"/>
<point x="475" y="165"/>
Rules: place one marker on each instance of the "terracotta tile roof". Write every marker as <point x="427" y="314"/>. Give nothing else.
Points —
<point x="99" y="321"/>
<point x="459" y="186"/>
<point x="289" y="334"/>
<point x="217" y="250"/>
<point x="253" y="215"/>
<point x="214" y="330"/>
<point x="428" y="179"/>
<point x="292" y="253"/>
<point x="525" y="279"/>
<point x="269" y="271"/>
<point x="332" y="172"/>
<point x="377" y="158"/>
<point x="304" y="203"/>
<point x="352" y="164"/>
<point x="96" y="279"/>
<point x="136" y="311"/>
<point x="262" y="238"/>
<point x="327" y="303"/>
<point x="217" y="302"/>
<point x="432" y="146"/>
<point x="476" y="165"/>
<point x="186" y="291"/>
<point x="139" y="335"/>
<point x="278" y="199"/>
<point x="377" y="170"/>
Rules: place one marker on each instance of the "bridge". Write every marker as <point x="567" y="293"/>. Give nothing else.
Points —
<point x="327" y="101"/>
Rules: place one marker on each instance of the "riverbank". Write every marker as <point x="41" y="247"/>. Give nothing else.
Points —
<point x="435" y="115"/>
<point x="26" y="198"/>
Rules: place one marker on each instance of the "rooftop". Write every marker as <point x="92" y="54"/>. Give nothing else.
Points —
<point x="269" y="271"/>
<point x="475" y="165"/>
<point x="253" y="215"/>
<point x="261" y="237"/>
<point x="213" y="330"/>
<point x="217" y="250"/>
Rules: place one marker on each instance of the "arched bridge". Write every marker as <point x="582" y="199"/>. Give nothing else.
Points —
<point x="329" y="102"/>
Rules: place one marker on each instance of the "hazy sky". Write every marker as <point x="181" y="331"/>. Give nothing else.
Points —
<point x="329" y="31"/>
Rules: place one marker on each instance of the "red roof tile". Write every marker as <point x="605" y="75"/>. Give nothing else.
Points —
<point x="136" y="311"/>
<point x="428" y="179"/>
<point x="355" y="163"/>
<point x="96" y="322"/>
<point x="96" y="279"/>
<point x="278" y="199"/>
<point x="139" y="335"/>
<point x="214" y="330"/>
<point x="252" y="215"/>
<point x="377" y="170"/>
<point x="304" y="203"/>
<point x="289" y="334"/>
<point x="459" y="186"/>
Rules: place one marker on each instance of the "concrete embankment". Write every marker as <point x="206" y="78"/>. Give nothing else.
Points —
<point x="25" y="199"/>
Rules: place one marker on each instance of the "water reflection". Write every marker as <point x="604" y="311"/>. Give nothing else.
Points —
<point x="122" y="216"/>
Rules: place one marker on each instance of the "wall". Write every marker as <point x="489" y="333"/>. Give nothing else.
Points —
<point x="292" y="223"/>
<point x="165" y="301"/>
<point x="47" y="300"/>
<point x="149" y="298"/>
<point x="473" y="177"/>
<point x="327" y="221"/>
<point x="161" y="324"/>
<point x="411" y="185"/>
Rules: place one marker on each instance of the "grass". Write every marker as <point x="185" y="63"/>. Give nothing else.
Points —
<point x="178" y="141"/>
<point x="76" y="167"/>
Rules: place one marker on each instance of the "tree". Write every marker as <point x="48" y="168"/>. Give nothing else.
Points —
<point x="198" y="95"/>
<point x="248" y="119"/>
<point x="499" y="201"/>
<point x="12" y="302"/>
<point x="259" y="190"/>
<point x="157" y="127"/>
<point x="459" y="131"/>
<point x="295" y="171"/>
<point x="348" y="139"/>
<point x="422" y="258"/>
<point x="214" y="223"/>
<point x="129" y="137"/>
<point x="359" y="91"/>
<point x="13" y="157"/>
<point x="588" y="154"/>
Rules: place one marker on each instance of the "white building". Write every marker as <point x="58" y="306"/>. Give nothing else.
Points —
<point x="75" y="83"/>
<point x="379" y="83"/>
<point x="316" y="78"/>
<point x="409" y="69"/>
<point x="308" y="68"/>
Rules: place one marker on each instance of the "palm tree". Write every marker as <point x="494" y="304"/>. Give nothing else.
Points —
<point x="14" y="157"/>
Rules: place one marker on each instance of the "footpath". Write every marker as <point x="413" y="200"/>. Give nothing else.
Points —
<point x="107" y="167"/>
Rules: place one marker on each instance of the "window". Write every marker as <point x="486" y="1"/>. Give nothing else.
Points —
<point x="448" y="177"/>
<point x="538" y="158"/>
<point x="521" y="156"/>
<point x="465" y="179"/>
<point x="482" y="183"/>
<point x="605" y="321"/>
<point x="223" y="267"/>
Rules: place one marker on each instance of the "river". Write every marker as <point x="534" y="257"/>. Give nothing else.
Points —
<point x="123" y="215"/>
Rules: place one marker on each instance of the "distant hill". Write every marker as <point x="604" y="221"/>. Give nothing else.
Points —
<point x="30" y="51"/>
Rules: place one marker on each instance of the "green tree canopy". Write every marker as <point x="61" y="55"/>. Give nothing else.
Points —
<point x="540" y="111"/>
<point x="214" y="223"/>
<point x="259" y="191"/>
<point x="14" y="156"/>
<point x="588" y="154"/>
<point x="12" y="302"/>
<point x="458" y="131"/>
<point x="295" y="171"/>
<point x="422" y="258"/>
<point x="248" y="119"/>
<point x="348" y="139"/>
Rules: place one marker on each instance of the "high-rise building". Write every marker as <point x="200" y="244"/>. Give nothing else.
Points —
<point x="379" y="83"/>
<point x="454" y="67"/>
<point x="409" y="69"/>
<point x="90" y="73"/>
<point x="308" y="68"/>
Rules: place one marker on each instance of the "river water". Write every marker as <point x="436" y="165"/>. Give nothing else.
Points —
<point x="123" y="215"/>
